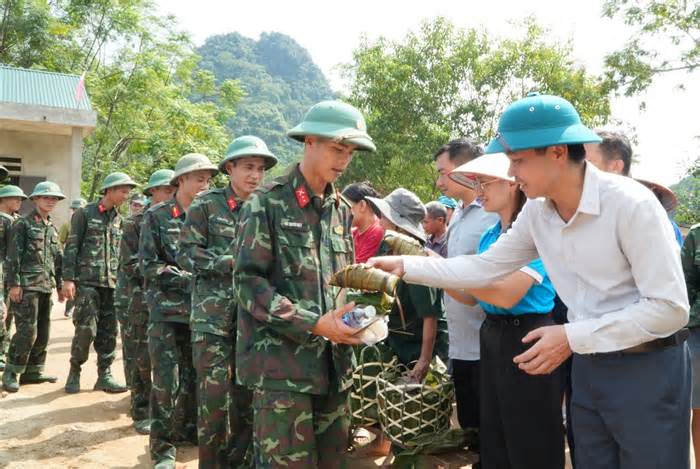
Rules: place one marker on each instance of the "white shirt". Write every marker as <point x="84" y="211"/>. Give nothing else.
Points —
<point x="464" y="321"/>
<point x="615" y="264"/>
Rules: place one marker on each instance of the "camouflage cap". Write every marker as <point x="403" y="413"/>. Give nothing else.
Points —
<point x="404" y="209"/>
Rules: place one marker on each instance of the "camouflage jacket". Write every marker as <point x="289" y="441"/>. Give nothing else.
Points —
<point x="129" y="267"/>
<point x="92" y="252"/>
<point x="289" y="243"/>
<point x="690" y="257"/>
<point x="206" y="251"/>
<point x="34" y="254"/>
<point x="167" y="286"/>
<point x="6" y="221"/>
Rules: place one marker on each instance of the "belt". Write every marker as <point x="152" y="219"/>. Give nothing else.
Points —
<point x="671" y="341"/>
<point x="516" y="320"/>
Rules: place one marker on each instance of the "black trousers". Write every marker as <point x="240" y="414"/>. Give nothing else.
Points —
<point x="465" y="375"/>
<point x="521" y="418"/>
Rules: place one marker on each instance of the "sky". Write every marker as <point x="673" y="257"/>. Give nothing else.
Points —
<point x="666" y="130"/>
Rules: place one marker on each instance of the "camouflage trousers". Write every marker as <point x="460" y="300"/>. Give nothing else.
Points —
<point x="140" y="379"/>
<point x="126" y="334"/>
<point x="224" y="413"/>
<point x="94" y="321"/>
<point x="173" y="391"/>
<point x="32" y="320"/>
<point x="295" y="430"/>
<point x="5" y="333"/>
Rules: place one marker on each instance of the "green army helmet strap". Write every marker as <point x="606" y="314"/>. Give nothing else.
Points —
<point x="12" y="191"/>
<point x="190" y="163"/>
<point x="337" y="121"/>
<point x="117" y="179"/>
<point x="47" y="189"/>
<point x="78" y="203"/>
<point x="162" y="177"/>
<point x="247" y="146"/>
<point x="539" y="121"/>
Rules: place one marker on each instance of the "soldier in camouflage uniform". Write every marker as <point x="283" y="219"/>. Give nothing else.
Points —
<point x="293" y="234"/>
<point x="122" y="295"/>
<point x="90" y="263"/>
<point x="159" y="190"/>
<point x="33" y="271"/>
<point x="224" y="415"/>
<point x="168" y="293"/>
<point x="63" y="233"/>
<point x="11" y="198"/>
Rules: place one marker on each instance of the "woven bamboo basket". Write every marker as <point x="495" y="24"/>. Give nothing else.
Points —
<point x="408" y="411"/>
<point x="371" y="362"/>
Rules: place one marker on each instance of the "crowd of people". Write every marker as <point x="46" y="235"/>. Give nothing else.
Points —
<point x="551" y="280"/>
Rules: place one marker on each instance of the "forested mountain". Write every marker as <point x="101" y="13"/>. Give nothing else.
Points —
<point x="280" y="80"/>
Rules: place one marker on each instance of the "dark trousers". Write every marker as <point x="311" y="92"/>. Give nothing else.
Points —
<point x="33" y="322"/>
<point x="632" y="411"/>
<point x="465" y="375"/>
<point x="521" y="421"/>
<point x="560" y="316"/>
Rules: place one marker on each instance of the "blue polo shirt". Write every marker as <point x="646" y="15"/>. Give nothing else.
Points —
<point x="538" y="299"/>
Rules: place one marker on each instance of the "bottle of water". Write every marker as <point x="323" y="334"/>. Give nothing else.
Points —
<point x="359" y="317"/>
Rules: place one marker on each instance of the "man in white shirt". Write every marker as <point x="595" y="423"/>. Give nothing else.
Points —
<point x="612" y="258"/>
<point x="468" y="223"/>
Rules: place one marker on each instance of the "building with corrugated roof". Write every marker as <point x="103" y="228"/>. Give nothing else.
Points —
<point x="44" y="117"/>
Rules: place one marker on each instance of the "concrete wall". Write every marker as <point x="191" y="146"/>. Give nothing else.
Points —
<point x="49" y="156"/>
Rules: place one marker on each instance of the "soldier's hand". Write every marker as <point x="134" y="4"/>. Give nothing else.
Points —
<point x="391" y="264"/>
<point x="16" y="294"/>
<point x="331" y="326"/>
<point x="69" y="290"/>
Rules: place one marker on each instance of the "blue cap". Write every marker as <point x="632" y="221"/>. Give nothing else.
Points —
<point x="539" y="121"/>
<point x="448" y="202"/>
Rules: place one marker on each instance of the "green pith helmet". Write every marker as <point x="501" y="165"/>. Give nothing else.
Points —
<point x="3" y="173"/>
<point x="245" y="146"/>
<point x="47" y="189"/>
<point x="539" y="121"/>
<point x="337" y="121"/>
<point x="12" y="191"/>
<point x="117" y="179"/>
<point x="78" y="203"/>
<point x="162" y="177"/>
<point x="192" y="162"/>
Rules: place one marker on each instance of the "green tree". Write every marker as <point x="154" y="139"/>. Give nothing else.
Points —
<point x="443" y="82"/>
<point x="666" y="38"/>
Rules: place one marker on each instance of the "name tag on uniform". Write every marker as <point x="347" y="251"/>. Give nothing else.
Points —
<point x="293" y="225"/>
<point x="225" y="221"/>
<point x="173" y="230"/>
